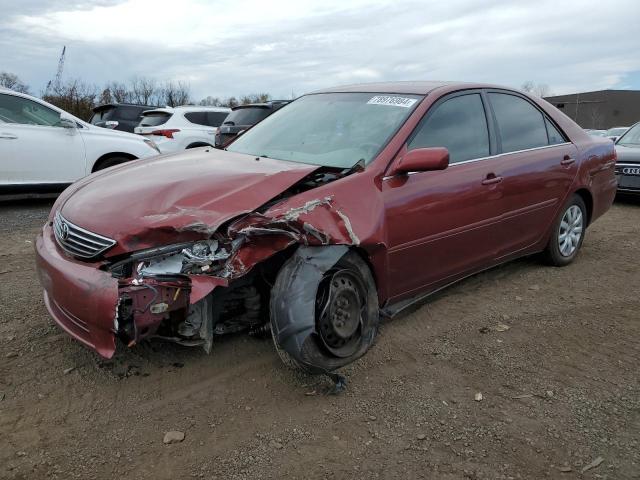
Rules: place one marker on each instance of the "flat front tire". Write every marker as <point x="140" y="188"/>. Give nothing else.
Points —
<point x="346" y="318"/>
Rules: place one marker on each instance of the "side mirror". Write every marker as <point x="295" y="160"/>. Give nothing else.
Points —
<point x="67" y="123"/>
<point x="111" y="124"/>
<point x="422" y="160"/>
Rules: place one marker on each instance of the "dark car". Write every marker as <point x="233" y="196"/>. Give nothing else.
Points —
<point x="348" y="205"/>
<point x="118" y="116"/>
<point x="628" y="163"/>
<point x="244" y="117"/>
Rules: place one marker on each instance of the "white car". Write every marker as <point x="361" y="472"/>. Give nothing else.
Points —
<point x="44" y="148"/>
<point x="178" y="128"/>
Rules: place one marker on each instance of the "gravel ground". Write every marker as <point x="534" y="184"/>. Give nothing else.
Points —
<point x="554" y="353"/>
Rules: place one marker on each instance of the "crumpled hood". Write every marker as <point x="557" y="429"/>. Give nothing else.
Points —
<point x="628" y="154"/>
<point x="174" y="198"/>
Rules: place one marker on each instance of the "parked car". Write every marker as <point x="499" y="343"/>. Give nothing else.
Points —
<point x="44" y="149"/>
<point x="628" y="165"/>
<point x="118" y="116"/>
<point x="348" y="205"/>
<point x="615" y="132"/>
<point x="596" y="133"/>
<point x="180" y="128"/>
<point x="244" y="117"/>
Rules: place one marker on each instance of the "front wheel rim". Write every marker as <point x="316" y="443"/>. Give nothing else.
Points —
<point x="570" y="231"/>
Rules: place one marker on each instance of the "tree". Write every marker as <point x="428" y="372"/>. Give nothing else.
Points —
<point x="539" y="90"/>
<point x="144" y="91"/>
<point x="75" y="97"/>
<point x="211" y="102"/>
<point x="175" y="93"/>
<point x="11" y="81"/>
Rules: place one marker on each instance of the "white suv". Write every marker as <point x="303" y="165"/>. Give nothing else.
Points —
<point x="44" y="148"/>
<point x="178" y="128"/>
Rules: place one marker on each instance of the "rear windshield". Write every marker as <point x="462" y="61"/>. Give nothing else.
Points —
<point x="247" y="116"/>
<point x="209" y="119"/>
<point x="153" y="119"/>
<point x="101" y="115"/>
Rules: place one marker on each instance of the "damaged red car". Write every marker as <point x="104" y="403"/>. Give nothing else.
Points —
<point x="343" y="207"/>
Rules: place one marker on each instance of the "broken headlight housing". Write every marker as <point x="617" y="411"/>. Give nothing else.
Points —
<point x="204" y="256"/>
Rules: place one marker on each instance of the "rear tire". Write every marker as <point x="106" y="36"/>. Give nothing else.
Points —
<point x="568" y="233"/>
<point x="110" y="162"/>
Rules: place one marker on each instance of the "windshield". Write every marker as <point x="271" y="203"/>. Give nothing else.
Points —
<point x="247" y="116"/>
<point x="612" y="132"/>
<point x="329" y="129"/>
<point x="632" y="137"/>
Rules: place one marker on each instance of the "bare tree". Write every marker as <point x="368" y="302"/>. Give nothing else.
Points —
<point x="74" y="96"/>
<point x="11" y="81"/>
<point x="211" y="102"/>
<point x="176" y="93"/>
<point x="539" y="90"/>
<point x="143" y="90"/>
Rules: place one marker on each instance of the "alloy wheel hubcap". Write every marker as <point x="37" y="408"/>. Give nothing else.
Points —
<point x="570" y="233"/>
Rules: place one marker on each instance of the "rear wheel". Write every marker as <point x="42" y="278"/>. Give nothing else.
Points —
<point x="346" y="317"/>
<point x="568" y="233"/>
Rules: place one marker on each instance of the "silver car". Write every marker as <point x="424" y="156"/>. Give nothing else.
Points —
<point x="628" y="164"/>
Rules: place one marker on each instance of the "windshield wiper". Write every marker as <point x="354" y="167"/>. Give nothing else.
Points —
<point x="356" y="167"/>
<point x="230" y="122"/>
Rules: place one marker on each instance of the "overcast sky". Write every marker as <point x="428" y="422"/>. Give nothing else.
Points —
<point x="235" y="47"/>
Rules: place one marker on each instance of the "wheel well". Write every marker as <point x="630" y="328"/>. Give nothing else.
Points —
<point x="107" y="156"/>
<point x="588" y="201"/>
<point x="199" y="144"/>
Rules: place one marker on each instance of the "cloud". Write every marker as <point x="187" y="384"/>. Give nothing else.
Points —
<point x="231" y="48"/>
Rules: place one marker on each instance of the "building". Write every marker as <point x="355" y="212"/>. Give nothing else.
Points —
<point x="602" y="109"/>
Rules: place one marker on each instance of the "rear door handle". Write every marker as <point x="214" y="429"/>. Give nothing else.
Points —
<point x="491" y="179"/>
<point x="567" y="160"/>
<point x="8" y="136"/>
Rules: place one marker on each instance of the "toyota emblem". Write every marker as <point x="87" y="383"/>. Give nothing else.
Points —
<point x="64" y="231"/>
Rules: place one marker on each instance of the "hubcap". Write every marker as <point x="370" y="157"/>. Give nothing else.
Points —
<point x="570" y="231"/>
<point x="341" y="309"/>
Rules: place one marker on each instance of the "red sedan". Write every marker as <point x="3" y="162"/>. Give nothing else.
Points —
<point x="346" y="205"/>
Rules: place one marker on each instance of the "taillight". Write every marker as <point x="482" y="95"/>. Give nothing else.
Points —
<point x="166" y="133"/>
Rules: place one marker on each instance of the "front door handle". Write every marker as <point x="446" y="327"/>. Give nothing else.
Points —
<point x="8" y="136"/>
<point x="567" y="160"/>
<point x="491" y="179"/>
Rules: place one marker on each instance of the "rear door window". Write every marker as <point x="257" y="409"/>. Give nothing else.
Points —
<point x="153" y="119"/>
<point x="458" y="124"/>
<point x="521" y="126"/>
<point x="215" y="119"/>
<point x="199" y="118"/>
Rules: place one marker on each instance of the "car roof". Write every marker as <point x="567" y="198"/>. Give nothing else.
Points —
<point x="268" y="104"/>
<point x="187" y="108"/>
<point x="409" y="87"/>
<point x="116" y="104"/>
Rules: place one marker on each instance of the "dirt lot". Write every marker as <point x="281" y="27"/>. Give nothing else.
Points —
<point x="560" y="387"/>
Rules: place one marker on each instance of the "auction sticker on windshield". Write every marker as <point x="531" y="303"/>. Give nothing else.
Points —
<point x="392" y="101"/>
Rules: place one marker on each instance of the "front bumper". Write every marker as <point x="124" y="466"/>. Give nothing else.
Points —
<point x="628" y="176"/>
<point x="80" y="297"/>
